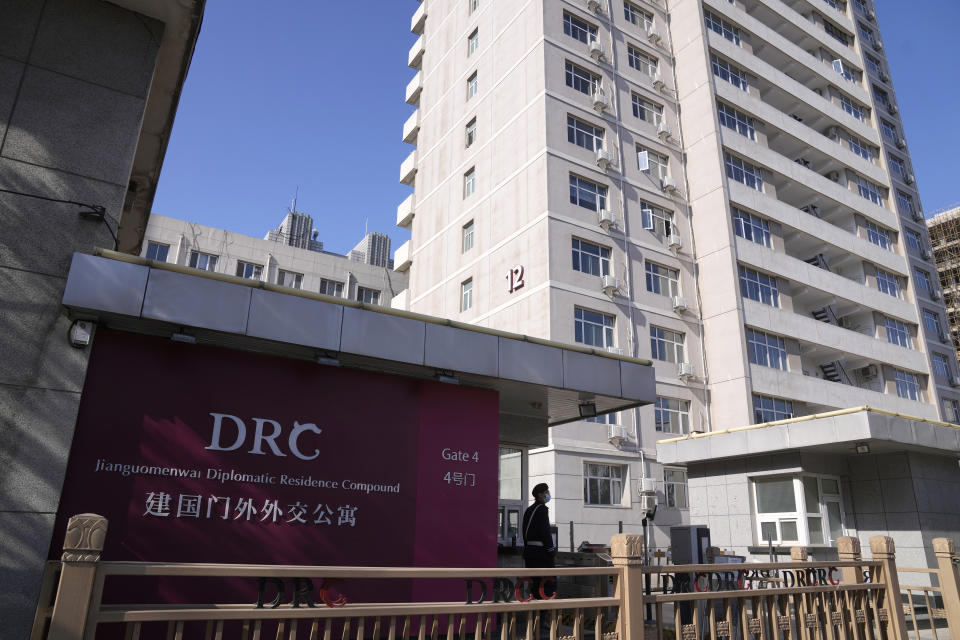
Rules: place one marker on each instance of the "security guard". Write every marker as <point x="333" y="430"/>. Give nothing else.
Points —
<point x="538" y="546"/>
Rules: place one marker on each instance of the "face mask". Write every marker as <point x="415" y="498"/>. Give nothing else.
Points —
<point x="546" y="497"/>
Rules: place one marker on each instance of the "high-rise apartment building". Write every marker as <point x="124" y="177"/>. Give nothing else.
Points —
<point x="944" y="228"/>
<point x="296" y="230"/>
<point x="722" y="187"/>
<point x="373" y="249"/>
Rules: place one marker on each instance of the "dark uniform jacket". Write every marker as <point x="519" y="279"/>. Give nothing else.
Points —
<point x="537" y="540"/>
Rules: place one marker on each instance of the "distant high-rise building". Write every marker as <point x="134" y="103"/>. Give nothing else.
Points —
<point x="944" y="227"/>
<point x="373" y="249"/>
<point x="296" y="230"/>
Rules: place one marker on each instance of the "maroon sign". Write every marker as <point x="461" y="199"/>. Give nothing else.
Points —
<point x="202" y="454"/>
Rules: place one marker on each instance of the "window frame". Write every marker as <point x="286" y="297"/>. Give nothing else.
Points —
<point x="736" y="120"/>
<point x="249" y="270"/>
<point x="643" y="62"/>
<point x="750" y="227"/>
<point x="661" y="280"/>
<point x="599" y="323"/>
<point x="584" y="259"/>
<point x="897" y="332"/>
<point x="470" y="133"/>
<point x="667" y="345"/>
<point x="766" y="349"/>
<point x="584" y="134"/>
<point x="765" y="286"/>
<point x="908" y="385"/>
<point x="721" y="27"/>
<point x="374" y="297"/>
<point x="580" y="193"/>
<point x="888" y="283"/>
<point x="155" y="248"/>
<point x="675" y="418"/>
<point x="676" y="492"/>
<point x="466" y="236"/>
<point x="801" y="517"/>
<point x="579" y="78"/>
<point x="772" y="411"/>
<point x="578" y="28"/>
<point x="473" y="85"/>
<point x="466" y="295"/>
<point x="326" y="284"/>
<point x="473" y="42"/>
<point x="656" y="219"/>
<point x="616" y="484"/>
<point x="729" y="72"/>
<point x="469" y="182"/>
<point x="878" y="235"/>
<point x="657" y="164"/>
<point x="646" y="110"/>
<point x="637" y="16"/>
<point x="746" y="173"/>
<point x="209" y="260"/>
<point x="297" y="278"/>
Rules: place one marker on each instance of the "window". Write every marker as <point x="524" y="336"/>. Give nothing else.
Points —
<point x="881" y="96"/>
<point x="744" y="172"/>
<point x="781" y="520"/>
<point x="897" y="166"/>
<point x="473" y="41"/>
<point x="951" y="411"/>
<point x="770" y="409"/>
<point x="675" y="488"/>
<point x="666" y="345"/>
<point x="472" y="85"/>
<point x="751" y="227"/>
<point x="759" y="287"/>
<point x="583" y="134"/>
<point x="466" y="294"/>
<point x="941" y="366"/>
<point x="331" y="288"/>
<point x="467" y="237"/>
<point x="931" y="321"/>
<point x="852" y="108"/>
<point x="469" y="182"/>
<point x="913" y="240"/>
<point x="860" y="5"/>
<point x="578" y="29"/>
<point x="370" y="296"/>
<point x="655" y="219"/>
<point x="249" y="270"/>
<point x="602" y="484"/>
<point x="887" y="283"/>
<point x="607" y="418"/>
<point x="641" y="61"/>
<point x="905" y="202"/>
<point x="889" y="130"/>
<point x="646" y="110"/>
<point x="672" y="415"/>
<point x="662" y="280"/>
<point x="590" y="258"/>
<point x="726" y="71"/>
<point x="586" y="194"/>
<point x="470" y="133"/>
<point x="865" y="32"/>
<point x="873" y="64"/>
<point x="766" y="350"/>
<point x="878" y="235"/>
<point x="653" y="163"/>
<point x="722" y="27"/>
<point x="205" y="261"/>
<point x="581" y="79"/>
<point x="592" y="328"/>
<point x="157" y="251"/>
<point x="869" y="191"/>
<point x="473" y="5"/>
<point x="923" y="280"/>
<point x="637" y="16"/>
<point x="859" y="147"/>
<point x="897" y="332"/>
<point x="736" y="120"/>
<point x="836" y="33"/>
<point x="907" y="384"/>
<point x="289" y="279"/>
<point x="848" y="74"/>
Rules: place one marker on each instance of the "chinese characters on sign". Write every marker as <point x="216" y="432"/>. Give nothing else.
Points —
<point x="159" y="504"/>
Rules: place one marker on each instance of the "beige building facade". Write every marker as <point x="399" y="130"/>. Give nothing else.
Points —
<point x="721" y="187"/>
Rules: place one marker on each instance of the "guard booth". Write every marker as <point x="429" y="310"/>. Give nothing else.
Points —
<point x="228" y="420"/>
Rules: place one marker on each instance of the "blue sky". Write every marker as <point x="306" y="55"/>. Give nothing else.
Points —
<point x="309" y="94"/>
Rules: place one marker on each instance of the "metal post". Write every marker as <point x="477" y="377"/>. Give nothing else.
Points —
<point x="571" y="536"/>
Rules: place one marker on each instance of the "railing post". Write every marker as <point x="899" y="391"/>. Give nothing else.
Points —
<point x="848" y="550"/>
<point x="82" y="546"/>
<point x="882" y="549"/>
<point x="945" y="549"/>
<point x="627" y="553"/>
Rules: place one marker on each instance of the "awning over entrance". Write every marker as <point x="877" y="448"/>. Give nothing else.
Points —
<point x="540" y="383"/>
<point x="833" y="432"/>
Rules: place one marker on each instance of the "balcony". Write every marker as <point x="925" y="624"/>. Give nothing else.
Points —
<point x="788" y="18"/>
<point x="415" y="58"/>
<point x="411" y="128"/>
<point x="414" y="87"/>
<point x="408" y="170"/>
<point x="405" y="212"/>
<point x="418" y="19"/>
<point x="401" y="257"/>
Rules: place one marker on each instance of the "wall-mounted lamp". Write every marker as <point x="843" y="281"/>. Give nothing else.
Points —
<point x="588" y="409"/>
<point x="80" y="334"/>
<point x="447" y="377"/>
<point x="863" y="447"/>
<point x="329" y="359"/>
<point x="182" y="337"/>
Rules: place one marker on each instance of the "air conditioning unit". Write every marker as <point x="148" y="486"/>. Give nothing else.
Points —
<point x="884" y="77"/>
<point x="617" y="435"/>
<point x="944" y="337"/>
<point x="927" y="254"/>
<point x="617" y="351"/>
<point x="653" y="34"/>
<point x="878" y="45"/>
<point x="893" y="109"/>
<point x="834" y="176"/>
<point x="607" y="219"/>
<point x="610" y="285"/>
<point x="675" y="242"/>
<point x="646" y="486"/>
<point x="955" y="381"/>
<point x="604" y="158"/>
<point x="596" y="50"/>
<point x="812" y="209"/>
<point x="869" y="372"/>
<point x="909" y="179"/>
<point x="658" y="81"/>
<point x="600" y="101"/>
<point x="679" y="304"/>
<point x="936" y="294"/>
<point x="901" y="143"/>
<point x="595" y="5"/>
<point x="664" y="131"/>
<point x="918" y="216"/>
<point x="871" y="15"/>
<point x="685" y="371"/>
<point x="667" y="184"/>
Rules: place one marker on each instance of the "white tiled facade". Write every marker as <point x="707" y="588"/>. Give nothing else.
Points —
<point x="274" y="261"/>
<point x="740" y="150"/>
